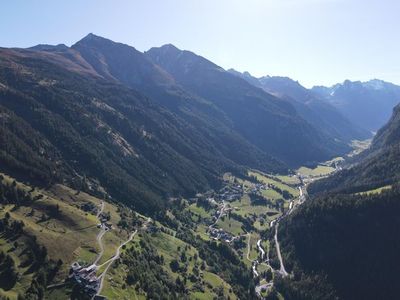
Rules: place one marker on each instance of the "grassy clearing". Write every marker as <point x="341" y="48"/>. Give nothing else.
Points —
<point x="261" y="227"/>
<point x="317" y="171"/>
<point x="375" y="191"/>
<point x="270" y="180"/>
<point x="244" y="208"/>
<point x="230" y="225"/>
<point x="271" y="194"/>
<point x="201" y="230"/>
<point x="198" y="210"/>
<point x="291" y="180"/>
<point x="253" y="254"/>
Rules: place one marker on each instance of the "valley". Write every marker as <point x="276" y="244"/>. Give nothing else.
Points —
<point x="96" y="235"/>
<point x="158" y="174"/>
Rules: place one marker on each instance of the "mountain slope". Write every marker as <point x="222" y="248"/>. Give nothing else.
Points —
<point x="377" y="166"/>
<point x="314" y="110"/>
<point x="77" y="125"/>
<point x="124" y="64"/>
<point x="344" y="240"/>
<point x="367" y="104"/>
<point x="264" y="120"/>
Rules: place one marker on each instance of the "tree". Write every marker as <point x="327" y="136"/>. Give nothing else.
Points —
<point x="174" y="265"/>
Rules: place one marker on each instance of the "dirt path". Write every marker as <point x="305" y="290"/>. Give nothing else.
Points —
<point x="282" y="269"/>
<point x="111" y="260"/>
<point x="100" y="235"/>
<point x="220" y="214"/>
<point x="117" y="255"/>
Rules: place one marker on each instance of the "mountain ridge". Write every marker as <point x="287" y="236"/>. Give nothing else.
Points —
<point x="311" y="107"/>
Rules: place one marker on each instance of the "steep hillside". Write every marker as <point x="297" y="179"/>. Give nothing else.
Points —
<point x="378" y="166"/>
<point x="123" y="63"/>
<point x="64" y="125"/>
<point x="368" y="104"/>
<point x="310" y="106"/>
<point x="344" y="239"/>
<point x="44" y="231"/>
<point x="266" y="121"/>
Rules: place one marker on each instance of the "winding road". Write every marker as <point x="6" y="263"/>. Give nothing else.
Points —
<point x="220" y="215"/>
<point x="282" y="269"/>
<point x="112" y="259"/>
<point x="100" y="235"/>
<point x="117" y="255"/>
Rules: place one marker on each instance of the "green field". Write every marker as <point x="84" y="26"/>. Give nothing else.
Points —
<point x="245" y="208"/>
<point x="320" y="170"/>
<point x="230" y="225"/>
<point x="270" y="180"/>
<point x="291" y="180"/>
<point x="252" y="241"/>
<point x="200" y="211"/>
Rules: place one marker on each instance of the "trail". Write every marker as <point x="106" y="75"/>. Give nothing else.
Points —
<point x="100" y="236"/>
<point x="111" y="260"/>
<point x="220" y="214"/>
<point x="282" y="270"/>
<point x="248" y="247"/>
<point x="116" y="256"/>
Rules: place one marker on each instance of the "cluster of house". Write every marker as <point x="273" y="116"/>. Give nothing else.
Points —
<point x="258" y="187"/>
<point x="220" y="235"/>
<point x="230" y="193"/>
<point x="85" y="277"/>
<point x="104" y="223"/>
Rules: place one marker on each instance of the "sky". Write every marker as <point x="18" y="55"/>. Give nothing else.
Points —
<point x="317" y="42"/>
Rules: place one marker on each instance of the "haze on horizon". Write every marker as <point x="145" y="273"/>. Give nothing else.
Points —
<point x="317" y="42"/>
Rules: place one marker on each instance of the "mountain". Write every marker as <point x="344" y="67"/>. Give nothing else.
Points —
<point x="63" y="123"/>
<point x="344" y="239"/>
<point x="102" y="116"/>
<point x="310" y="106"/>
<point x="367" y="104"/>
<point x="264" y="120"/>
<point x="377" y="166"/>
<point x="125" y="65"/>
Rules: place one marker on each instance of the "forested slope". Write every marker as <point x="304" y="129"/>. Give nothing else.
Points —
<point x="345" y="244"/>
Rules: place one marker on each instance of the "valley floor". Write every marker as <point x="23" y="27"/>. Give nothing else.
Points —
<point x="108" y="244"/>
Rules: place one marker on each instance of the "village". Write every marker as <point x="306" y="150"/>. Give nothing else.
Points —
<point x="86" y="276"/>
<point x="229" y="193"/>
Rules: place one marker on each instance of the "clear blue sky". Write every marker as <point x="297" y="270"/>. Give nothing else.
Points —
<point x="313" y="41"/>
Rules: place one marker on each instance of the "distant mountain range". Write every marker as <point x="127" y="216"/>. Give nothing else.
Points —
<point x="311" y="106"/>
<point x="368" y="104"/>
<point x="346" y="111"/>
